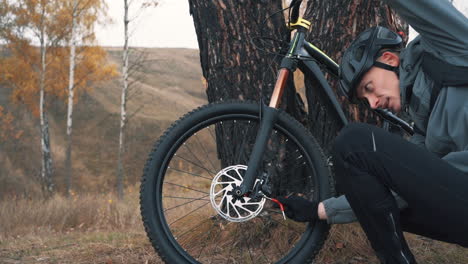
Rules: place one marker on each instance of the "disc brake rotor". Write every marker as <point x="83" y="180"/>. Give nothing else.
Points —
<point x="228" y="205"/>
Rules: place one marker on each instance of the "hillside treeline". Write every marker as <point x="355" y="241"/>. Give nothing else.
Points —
<point x="55" y="77"/>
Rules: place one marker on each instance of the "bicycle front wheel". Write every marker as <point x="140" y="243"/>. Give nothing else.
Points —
<point x="187" y="208"/>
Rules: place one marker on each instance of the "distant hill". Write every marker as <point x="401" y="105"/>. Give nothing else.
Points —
<point x="168" y="86"/>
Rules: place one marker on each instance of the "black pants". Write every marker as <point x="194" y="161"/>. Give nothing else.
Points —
<point x="370" y="161"/>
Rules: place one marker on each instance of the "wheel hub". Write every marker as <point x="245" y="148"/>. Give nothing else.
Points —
<point x="225" y="196"/>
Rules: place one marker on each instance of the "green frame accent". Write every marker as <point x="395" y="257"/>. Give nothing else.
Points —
<point x="323" y="53"/>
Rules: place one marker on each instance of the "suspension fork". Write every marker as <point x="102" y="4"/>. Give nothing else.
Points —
<point x="268" y="119"/>
<point x="270" y="113"/>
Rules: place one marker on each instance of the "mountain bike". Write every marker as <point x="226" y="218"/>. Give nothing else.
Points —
<point x="207" y="186"/>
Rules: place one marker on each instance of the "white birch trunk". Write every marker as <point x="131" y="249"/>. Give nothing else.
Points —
<point x="71" y="84"/>
<point x="46" y="172"/>
<point x="123" y="110"/>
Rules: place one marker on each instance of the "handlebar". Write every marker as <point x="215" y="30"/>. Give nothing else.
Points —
<point x="395" y="120"/>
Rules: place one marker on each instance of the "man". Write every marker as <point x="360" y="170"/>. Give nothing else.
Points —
<point x="379" y="172"/>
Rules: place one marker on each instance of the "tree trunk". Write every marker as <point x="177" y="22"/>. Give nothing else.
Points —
<point x="235" y="68"/>
<point x="335" y="23"/>
<point x="71" y="84"/>
<point x="46" y="172"/>
<point x="123" y="110"/>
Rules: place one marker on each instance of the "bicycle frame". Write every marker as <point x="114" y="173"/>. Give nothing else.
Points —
<point x="304" y="55"/>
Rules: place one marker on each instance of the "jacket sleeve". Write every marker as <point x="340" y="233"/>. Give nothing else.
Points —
<point x="458" y="160"/>
<point x="441" y="26"/>
<point x="418" y="140"/>
<point x="448" y="127"/>
<point x="339" y="210"/>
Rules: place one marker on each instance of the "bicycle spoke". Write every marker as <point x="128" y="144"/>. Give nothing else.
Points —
<point x="241" y="146"/>
<point x="186" y="172"/>
<point x="186" y="198"/>
<point x="226" y="142"/>
<point x="177" y="220"/>
<point x="195" y="156"/>
<point x="208" y="235"/>
<point x="289" y="172"/>
<point x="185" y="187"/>
<point x="193" y="228"/>
<point x="194" y="200"/>
<point x="211" y="133"/>
<point x="191" y="162"/>
<point x="206" y="153"/>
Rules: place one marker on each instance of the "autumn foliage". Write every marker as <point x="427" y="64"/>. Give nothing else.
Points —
<point x="20" y="68"/>
<point x="8" y="130"/>
<point x="19" y="71"/>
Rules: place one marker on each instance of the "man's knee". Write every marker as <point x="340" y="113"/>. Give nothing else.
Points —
<point x="350" y="138"/>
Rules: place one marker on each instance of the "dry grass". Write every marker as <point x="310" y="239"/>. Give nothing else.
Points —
<point x="80" y="212"/>
<point x="98" y="229"/>
<point x="83" y="229"/>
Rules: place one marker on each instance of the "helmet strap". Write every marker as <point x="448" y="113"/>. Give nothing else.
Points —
<point x="386" y="67"/>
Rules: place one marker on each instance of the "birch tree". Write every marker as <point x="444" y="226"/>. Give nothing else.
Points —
<point x="34" y="72"/>
<point x="47" y="167"/>
<point x="83" y="15"/>
<point x="129" y="5"/>
<point x="71" y="84"/>
<point x="123" y="104"/>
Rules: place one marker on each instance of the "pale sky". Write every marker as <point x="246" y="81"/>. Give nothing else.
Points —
<point x="167" y="25"/>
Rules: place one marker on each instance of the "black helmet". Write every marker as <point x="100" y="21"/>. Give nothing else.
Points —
<point x="362" y="54"/>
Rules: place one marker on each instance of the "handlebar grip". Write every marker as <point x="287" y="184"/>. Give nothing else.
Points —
<point x="295" y="4"/>
<point x="395" y="120"/>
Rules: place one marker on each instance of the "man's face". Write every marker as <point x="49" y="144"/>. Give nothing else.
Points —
<point x="381" y="87"/>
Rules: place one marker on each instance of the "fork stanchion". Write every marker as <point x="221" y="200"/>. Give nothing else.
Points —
<point x="279" y="88"/>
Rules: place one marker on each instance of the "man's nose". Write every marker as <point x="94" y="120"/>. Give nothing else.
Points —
<point x="373" y="102"/>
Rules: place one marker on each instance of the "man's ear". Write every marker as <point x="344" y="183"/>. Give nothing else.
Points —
<point x="390" y="58"/>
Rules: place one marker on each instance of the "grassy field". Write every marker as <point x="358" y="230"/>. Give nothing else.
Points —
<point x="99" y="229"/>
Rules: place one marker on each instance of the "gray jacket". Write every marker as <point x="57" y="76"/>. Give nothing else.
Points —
<point x="444" y="33"/>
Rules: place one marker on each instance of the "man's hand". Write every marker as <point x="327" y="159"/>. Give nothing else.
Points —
<point x="299" y="209"/>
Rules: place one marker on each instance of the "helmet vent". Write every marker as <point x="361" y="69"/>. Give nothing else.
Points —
<point x="386" y="34"/>
<point x="359" y="52"/>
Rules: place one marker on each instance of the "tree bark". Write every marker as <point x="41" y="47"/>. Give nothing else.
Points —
<point x="46" y="172"/>
<point x="123" y="105"/>
<point x="71" y="85"/>
<point x="335" y="23"/>
<point x="234" y="68"/>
